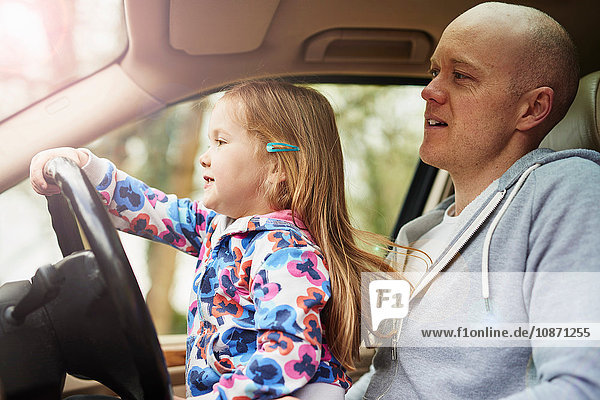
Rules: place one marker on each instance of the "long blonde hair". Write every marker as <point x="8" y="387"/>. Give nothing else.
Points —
<point x="314" y="190"/>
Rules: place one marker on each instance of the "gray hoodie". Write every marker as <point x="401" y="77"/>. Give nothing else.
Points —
<point x="544" y="216"/>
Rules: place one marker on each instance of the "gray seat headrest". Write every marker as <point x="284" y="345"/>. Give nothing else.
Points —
<point x="580" y="128"/>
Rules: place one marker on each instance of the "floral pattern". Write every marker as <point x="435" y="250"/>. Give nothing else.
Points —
<point x="254" y="320"/>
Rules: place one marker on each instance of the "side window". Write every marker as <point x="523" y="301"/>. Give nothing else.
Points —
<point x="380" y="129"/>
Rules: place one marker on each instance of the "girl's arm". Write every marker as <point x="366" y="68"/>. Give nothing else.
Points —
<point x="134" y="207"/>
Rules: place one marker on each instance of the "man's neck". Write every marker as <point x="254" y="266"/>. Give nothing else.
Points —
<point x="465" y="196"/>
<point x="468" y="186"/>
<point x="470" y="181"/>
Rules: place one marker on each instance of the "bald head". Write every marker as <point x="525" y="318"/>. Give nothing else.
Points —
<point x="539" y="49"/>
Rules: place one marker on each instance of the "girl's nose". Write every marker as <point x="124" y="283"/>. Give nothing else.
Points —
<point x="204" y="159"/>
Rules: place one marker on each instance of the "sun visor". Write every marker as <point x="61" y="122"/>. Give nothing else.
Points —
<point x="192" y="20"/>
<point x="368" y="46"/>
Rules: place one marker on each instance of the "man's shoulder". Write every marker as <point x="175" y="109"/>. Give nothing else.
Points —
<point x="567" y="167"/>
<point x="571" y="169"/>
<point x="568" y="185"/>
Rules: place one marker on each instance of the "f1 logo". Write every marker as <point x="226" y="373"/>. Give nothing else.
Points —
<point x="389" y="300"/>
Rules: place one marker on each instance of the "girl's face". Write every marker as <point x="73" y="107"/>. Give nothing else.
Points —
<point x="234" y="177"/>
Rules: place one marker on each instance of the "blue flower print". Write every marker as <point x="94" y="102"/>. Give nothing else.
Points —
<point x="280" y="259"/>
<point x="208" y="283"/>
<point x="240" y="342"/>
<point x="228" y="286"/>
<point x="192" y="310"/>
<point x="332" y="372"/>
<point x="264" y="371"/>
<point x="189" y="344"/>
<point x="201" y="380"/>
<point x="226" y="256"/>
<point x="107" y="178"/>
<point x="280" y="318"/>
<point x="247" y="318"/>
<point x="129" y="194"/>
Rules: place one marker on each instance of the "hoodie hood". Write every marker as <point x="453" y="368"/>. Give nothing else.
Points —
<point x="541" y="157"/>
<point x="277" y="220"/>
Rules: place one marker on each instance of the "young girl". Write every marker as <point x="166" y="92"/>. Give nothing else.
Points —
<point x="275" y="299"/>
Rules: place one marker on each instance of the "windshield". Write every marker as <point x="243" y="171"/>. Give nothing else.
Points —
<point x="46" y="45"/>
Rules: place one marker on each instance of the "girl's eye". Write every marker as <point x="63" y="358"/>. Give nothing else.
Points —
<point x="219" y="142"/>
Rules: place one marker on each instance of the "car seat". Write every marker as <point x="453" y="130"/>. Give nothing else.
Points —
<point x="580" y="128"/>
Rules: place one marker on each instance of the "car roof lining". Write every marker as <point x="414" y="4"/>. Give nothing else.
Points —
<point x="287" y="30"/>
<point x="153" y="73"/>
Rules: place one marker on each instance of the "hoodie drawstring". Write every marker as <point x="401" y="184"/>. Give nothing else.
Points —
<point x="485" y="279"/>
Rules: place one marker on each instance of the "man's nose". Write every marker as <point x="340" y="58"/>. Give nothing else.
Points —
<point x="434" y="91"/>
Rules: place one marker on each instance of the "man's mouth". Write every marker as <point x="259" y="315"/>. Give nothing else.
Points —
<point x="434" y="122"/>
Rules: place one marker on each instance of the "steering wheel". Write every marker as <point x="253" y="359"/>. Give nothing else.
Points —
<point x="131" y="312"/>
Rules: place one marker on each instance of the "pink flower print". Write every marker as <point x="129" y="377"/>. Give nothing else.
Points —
<point x="170" y="235"/>
<point x="308" y="268"/>
<point x="304" y="367"/>
<point x="262" y="289"/>
<point x="154" y="196"/>
<point x="105" y="197"/>
<point x="229" y="381"/>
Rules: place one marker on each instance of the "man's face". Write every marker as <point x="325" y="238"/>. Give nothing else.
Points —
<point x="470" y="113"/>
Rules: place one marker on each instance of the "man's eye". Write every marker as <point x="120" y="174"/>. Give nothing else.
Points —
<point x="434" y="72"/>
<point x="458" y="75"/>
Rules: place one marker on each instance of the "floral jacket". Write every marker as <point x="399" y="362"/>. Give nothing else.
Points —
<point x="254" y="326"/>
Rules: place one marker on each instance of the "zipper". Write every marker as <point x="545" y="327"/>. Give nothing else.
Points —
<point x="448" y="256"/>
<point x="460" y="243"/>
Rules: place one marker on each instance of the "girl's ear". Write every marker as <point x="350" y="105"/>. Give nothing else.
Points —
<point x="536" y="106"/>
<point x="275" y="173"/>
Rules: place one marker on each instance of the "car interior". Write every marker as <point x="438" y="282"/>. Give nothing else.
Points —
<point x="173" y="52"/>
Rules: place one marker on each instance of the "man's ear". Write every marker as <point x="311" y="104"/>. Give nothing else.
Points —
<point x="536" y="105"/>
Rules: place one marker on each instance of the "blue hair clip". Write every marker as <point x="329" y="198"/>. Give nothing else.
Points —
<point x="273" y="147"/>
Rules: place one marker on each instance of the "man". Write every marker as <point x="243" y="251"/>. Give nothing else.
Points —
<point x="502" y="77"/>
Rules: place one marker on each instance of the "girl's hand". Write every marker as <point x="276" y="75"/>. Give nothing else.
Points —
<point x="37" y="175"/>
